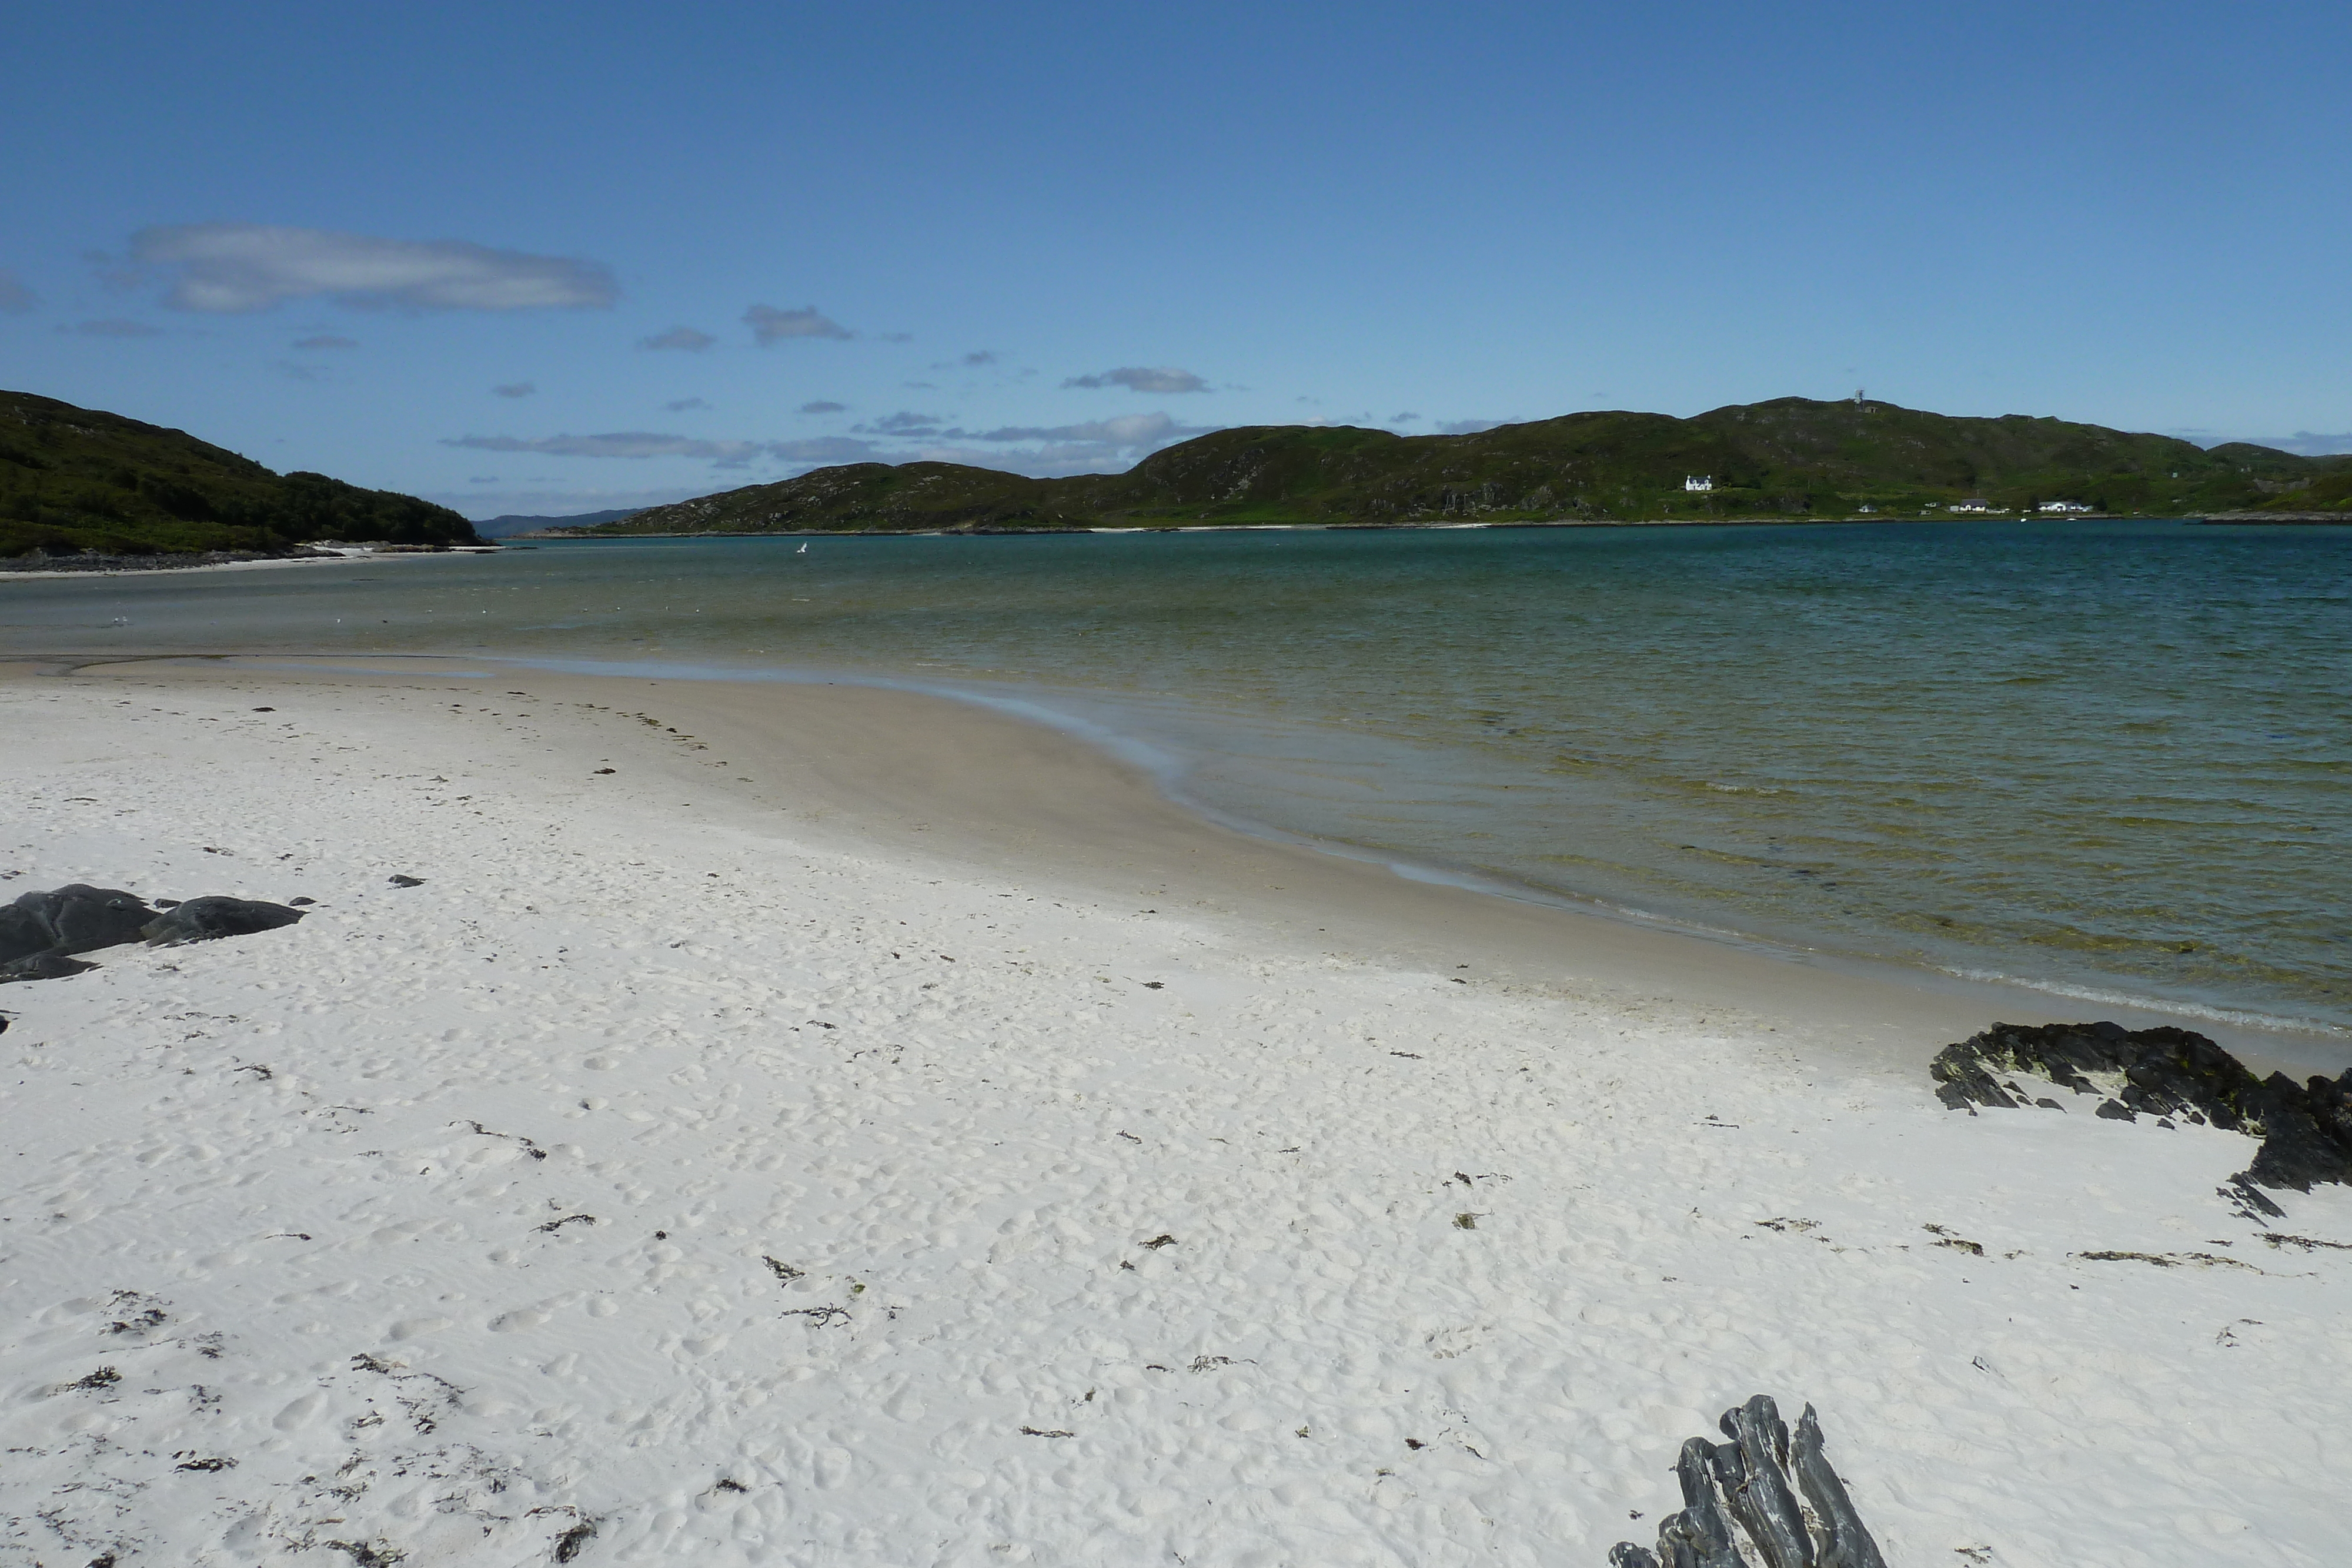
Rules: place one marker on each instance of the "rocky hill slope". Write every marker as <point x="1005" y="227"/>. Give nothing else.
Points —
<point x="74" y="479"/>
<point x="1790" y="457"/>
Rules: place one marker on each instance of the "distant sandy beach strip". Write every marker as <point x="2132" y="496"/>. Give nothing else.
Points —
<point x="818" y="1124"/>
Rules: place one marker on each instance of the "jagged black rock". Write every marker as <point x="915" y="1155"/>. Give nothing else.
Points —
<point x="1738" y="1493"/>
<point x="2306" y="1128"/>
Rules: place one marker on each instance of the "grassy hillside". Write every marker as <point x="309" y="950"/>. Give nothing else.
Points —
<point x="73" y="479"/>
<point x="1790" y="457"/>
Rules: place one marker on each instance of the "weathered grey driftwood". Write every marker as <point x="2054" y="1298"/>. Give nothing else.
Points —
<point x="1738" y="1510"/>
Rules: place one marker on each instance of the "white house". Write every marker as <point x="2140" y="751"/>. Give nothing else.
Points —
<point x="1973" y="504"/>
<point x="1698" y="482"/>
<point x="2064" y="507"/>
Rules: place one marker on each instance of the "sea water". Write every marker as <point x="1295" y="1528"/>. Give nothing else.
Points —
<point x="2112" y="759"/>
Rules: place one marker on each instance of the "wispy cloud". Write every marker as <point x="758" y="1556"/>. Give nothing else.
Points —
<point x="14" y="297"/>
<point x="820" y="406"/>
<point x="1142" y="379"/>
<point x="240" y="267"/>
<point x="903" y="423"/>
<point x="113" y="327"/>
<point x="769" y="325"/>
<point x="1467" y="427"/>
<point x="620" y="443"/>
<point x="825" y="449"/>
<point x="1408" y="417"/>
<point x="481" y="505"/>
<point x="684" y="403"/>
<point x="515" y="388"/>
<point x="1126" y="431"/>
<point x="326" y="340"/>
<point x="970" y="362"/>
<point x="685" y="339"/>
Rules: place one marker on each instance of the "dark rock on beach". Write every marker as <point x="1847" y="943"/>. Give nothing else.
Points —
<point x="2306" y="1128"/>
<point x="41" y="966"/>
<point x="41" y="932"/>
<point x="75" y="918"/>
<point x="1740" y="1510"/>
<point x="208" y="919"/>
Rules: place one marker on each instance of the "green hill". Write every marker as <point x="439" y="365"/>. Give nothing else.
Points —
<point x="1790" y="457"/>
<point x="74" y="479"/>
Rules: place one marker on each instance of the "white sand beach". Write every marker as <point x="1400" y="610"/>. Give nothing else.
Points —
<point x="861" y="1130"/>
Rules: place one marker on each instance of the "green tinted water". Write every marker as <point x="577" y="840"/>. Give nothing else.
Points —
<point x="2112" y="758"/>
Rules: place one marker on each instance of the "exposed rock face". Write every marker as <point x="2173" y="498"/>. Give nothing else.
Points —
<point x="207" y="919"/>
<point x="2306" y="1128"/>
<point x="1740" y="1510"/>
<point x="75" y="918"/>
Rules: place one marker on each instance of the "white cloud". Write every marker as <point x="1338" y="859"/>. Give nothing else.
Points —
<point x="239" y="268"/>
<point x="620" y="443"/>
<point x="1467" y="427"/>
<point x="769" y="325"/>
<point x="1143" y="379"/>
<point x="14" y="296"/>
<point x="684" y="403"/>
<point x="327" y="341"/>
<point x="682" y="338"/>
<point x="822" y="406"/>
<point x="515" y="388"/>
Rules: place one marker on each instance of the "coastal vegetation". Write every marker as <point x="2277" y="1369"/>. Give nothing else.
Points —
<point x="75" y="479"/>
<point x="1791" y="457"/>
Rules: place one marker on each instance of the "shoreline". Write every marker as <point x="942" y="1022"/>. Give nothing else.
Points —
<point x="121" y="566"/>
<point x="862" y="1128"/>
<point x="1034" y="794"/>
<point x="559" y="536"/>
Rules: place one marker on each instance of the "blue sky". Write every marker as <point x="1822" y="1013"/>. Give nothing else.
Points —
<point x="556" y="259"/>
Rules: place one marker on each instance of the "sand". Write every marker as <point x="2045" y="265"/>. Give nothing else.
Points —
<point x="861" y="1130"/>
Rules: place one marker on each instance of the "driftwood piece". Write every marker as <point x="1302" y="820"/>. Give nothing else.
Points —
<point x="1739" y="1510"/>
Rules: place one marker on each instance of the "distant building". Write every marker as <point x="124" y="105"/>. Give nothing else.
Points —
<point x="1973" y="504"/>
<point x="2064" y="507"/>
<point x="1699" y="482"/>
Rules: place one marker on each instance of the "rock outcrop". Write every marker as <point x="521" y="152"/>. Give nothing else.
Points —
<point x="209" y="919"/>
<point x="75" y="918"/>
<point x="1740" y="1509"/>
<point x="2306" y="1128"/>
<point x="41" y="932"/>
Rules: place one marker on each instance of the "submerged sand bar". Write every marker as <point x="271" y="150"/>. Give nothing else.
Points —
<point x="859" y="1128"/>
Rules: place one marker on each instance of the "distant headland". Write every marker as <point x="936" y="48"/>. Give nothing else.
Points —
<point x="75" y="480"/>
<point x="1788" y="459"/>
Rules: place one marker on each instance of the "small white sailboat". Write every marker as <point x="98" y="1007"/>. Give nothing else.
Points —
<point x="803" y="549"/>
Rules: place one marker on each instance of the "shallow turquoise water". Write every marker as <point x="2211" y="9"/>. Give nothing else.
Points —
<point x="2107" y="757"/>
